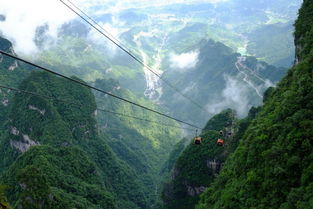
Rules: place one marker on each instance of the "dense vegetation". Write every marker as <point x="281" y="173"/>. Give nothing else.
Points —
<point x="142" y="145"/>
<point x="56" y="178"/>
<point x="12" y="72"/>
<point x="303" y="33"/>
<point x="134" y="155"/>
<point x="269" y="164"/>
<point x="272" y="167"/>
<point x="198" y="165"/>
<point x="235" y="23"/>
<point x="73" y="167"/>
<point x="66" y="154"/>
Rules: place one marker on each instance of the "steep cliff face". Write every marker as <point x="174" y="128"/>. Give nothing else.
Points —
<point x="272" y="167"/>
<point x="11" y="73"/>
<point x="304" y="32"/>
<point x="53" y="156"/>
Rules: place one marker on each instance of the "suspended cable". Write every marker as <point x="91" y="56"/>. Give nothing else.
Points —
<point x="97" y="24"/>
<point x="99" y="109"/>
<point x="127" y="51"/>
<point x="96" y="89"/>
<point x="142" y="119"/>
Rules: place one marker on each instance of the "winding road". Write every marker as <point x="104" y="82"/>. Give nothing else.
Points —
<point x="242" y="68"/>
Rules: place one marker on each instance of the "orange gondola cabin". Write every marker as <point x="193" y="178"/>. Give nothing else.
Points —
<point x="220" y="142"/>
<point x="198" y="140"/>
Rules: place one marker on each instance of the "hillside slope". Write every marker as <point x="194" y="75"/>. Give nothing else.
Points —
<point x="143" y="145"/>
<point x="140" y="146"/>
<point x="199" y="165"/>
<point x="272" y="167"/>
<point x="53" y="156"/>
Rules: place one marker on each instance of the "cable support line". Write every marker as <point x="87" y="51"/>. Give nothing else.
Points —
<point x="142" y="119"/>
<point x="99" y="109"/>
<point x="28" y="92"/>
<point x="127" y="51"/>
<point x="96" y="89"/>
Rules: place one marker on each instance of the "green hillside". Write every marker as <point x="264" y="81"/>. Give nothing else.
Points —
<point x="139" y="148"/>
<point x="12" y="72"/>
<point x="54" y="148"/>
<point x="199" y="165"/>
<point x="272" y="167"/>
<point x="76" y="148"/>
<point x="142" y="145"/>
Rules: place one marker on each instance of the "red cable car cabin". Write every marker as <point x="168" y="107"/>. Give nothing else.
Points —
<point x="198" y="140"/>
<point x="220" y="142"/>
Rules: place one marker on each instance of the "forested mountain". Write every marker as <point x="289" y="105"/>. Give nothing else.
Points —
<point x="132" y="142"/>
<point x="220" y="79"/>
<point x="66" y="146"/>
<point x="223" y="39"/>
<point x="41" y="133"/>
<point x="216" y="69"/>
<point x="138" y="148"/>
<point x="141" y="144"/>
<point x="271" y="166"/>
<point x="197" y="167"/>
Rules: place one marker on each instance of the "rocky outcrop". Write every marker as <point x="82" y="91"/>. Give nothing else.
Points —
<point x="15" y="131"/>
<point x="299" y="49"/>
<point x="215" y="166"/>
<point x="13" y="66"/>
<point x="194" y="191"/>
<point x="5" y="102"/>
<point x="32" y="107"/>
<point x="24" y="144"/>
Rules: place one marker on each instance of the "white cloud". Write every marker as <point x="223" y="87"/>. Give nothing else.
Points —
<point x="235" y="96"/>
<point x="115" y="29"/>
<point x="98" y="39"/>
<point x="184" y="61"/>
<point x="23" y="17"/>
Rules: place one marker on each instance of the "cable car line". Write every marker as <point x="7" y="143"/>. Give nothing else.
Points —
<point x="96" y="89"/>
<point x="142" y="119"/>
<point x="115" y="42"/>
<point x="102" y="110"/>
